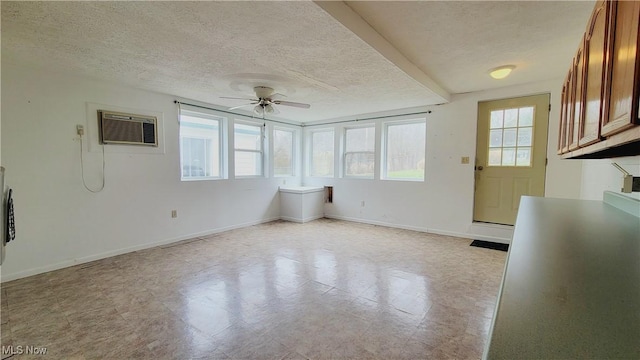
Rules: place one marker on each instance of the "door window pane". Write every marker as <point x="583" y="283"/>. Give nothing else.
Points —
<point x="495" y="157"/>
<point x="511" y="137"/>
<point x="510" y="118"/>
<point x="524" y="136"/>
<point x="495" y="139"/>
<point x="496" y="119"/>
<point x="523" y="158"/>
<point x="508" y="156"/>
<point x="526" y="116"/>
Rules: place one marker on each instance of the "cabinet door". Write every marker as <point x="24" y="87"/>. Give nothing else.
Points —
<point x="625" y="68"/>
<point x="596" y="59"/>
<point x="578" y="99"/>
<point x="563" y="120"/>
<point x="571" y="95"/>
<point x="567" y="111"/>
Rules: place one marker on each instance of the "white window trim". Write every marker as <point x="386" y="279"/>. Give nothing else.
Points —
<point x="222" y="121"/>
<point x="331" y="130"/>
<point x="344" y="151"/>
<point x="385" y="141"/>
<point x="261" y="151"/>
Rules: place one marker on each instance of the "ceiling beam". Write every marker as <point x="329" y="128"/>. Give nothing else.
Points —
<point x="356" y="24"/>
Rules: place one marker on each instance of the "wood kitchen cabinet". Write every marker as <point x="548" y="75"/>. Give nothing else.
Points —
<point x="578" y="83"/>
<point x="562" y="136"/>
<point x="566" y="113"/>
<point x="596" y="55"/>
<point x="602" y="90"/>
<point x="570" y="84"/>
<point x="623" y="112"/>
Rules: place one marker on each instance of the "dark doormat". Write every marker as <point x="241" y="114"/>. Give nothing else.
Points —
<point x="490" y="245"/>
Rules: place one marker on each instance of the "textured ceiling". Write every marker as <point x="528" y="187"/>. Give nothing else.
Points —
<point x="204" y="50"/>
<point x="457" y="42"/>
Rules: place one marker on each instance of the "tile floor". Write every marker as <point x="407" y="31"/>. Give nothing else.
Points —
<point x="325" y="289"/>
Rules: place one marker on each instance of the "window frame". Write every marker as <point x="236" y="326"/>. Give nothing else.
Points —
<point x="345" y="152"/>
<point x="293" y="150"/>
<point x="221" y="123"/>
<point x="310" y="156"/>
<point x="261" y="151"/>
<point x="385" y="147"/>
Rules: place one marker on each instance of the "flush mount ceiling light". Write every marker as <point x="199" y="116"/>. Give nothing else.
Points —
<point x="501" y="72"/>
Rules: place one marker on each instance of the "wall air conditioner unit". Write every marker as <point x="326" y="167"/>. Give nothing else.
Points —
<point x="127" y="129"/>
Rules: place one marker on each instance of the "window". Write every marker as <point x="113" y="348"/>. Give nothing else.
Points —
<point x="359" y="155"/>
<point x="511" y="137"/>
<point x="248" y="149"/>
<point x="283" y="152"/>
<point x="405" y="151"/>
<point x="321" y="161"/>
<point x="200" y="146"/>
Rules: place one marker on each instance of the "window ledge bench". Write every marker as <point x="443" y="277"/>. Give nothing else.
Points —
<point x="301" y="203"/>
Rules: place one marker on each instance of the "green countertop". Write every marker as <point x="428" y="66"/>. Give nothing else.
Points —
<point x="571" y="286"/>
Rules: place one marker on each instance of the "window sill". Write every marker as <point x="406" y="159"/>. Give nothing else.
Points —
<point x="239" y="177"/>
<point x="201" y="179"/>
<point x="406" y="180"/>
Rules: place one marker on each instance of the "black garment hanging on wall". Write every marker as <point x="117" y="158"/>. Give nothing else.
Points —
<point x="11" y="222"/>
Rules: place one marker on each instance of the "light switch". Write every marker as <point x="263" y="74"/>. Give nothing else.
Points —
<point x="464" y="160"/>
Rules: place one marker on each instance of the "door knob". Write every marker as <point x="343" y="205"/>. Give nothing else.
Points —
<point x="479" y="168"/>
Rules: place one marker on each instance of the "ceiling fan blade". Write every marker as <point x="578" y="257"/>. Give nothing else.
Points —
<point x="241" y="106"/>
<point x="291" y="103"/>
<point x="237" y="98"/>
<point x="277" y="96"/>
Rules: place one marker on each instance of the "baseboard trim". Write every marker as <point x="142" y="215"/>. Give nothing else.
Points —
<point x="301" y="221"/>
<point x="108" y="254"/>
<point x="423" y="229"/>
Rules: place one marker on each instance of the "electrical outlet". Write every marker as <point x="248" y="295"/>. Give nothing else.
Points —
<point x="80" y="130"/>
<point x="174" y="213"/>
<point x="464" y="160"/>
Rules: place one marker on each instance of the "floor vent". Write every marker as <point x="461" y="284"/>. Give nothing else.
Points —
<point x="490" y="245"/>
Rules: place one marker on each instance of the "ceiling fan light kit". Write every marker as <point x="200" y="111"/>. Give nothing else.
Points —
<point x="264" y="101"/>
<point x="263" y="109"/>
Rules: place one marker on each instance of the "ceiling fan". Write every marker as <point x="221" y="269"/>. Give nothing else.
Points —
<point x="264" y="101"/>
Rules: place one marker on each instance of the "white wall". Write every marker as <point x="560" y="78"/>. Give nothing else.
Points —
<point x="599" y="176"/>
<point x="59" y="223"/>
<point x="443" y="203"/>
